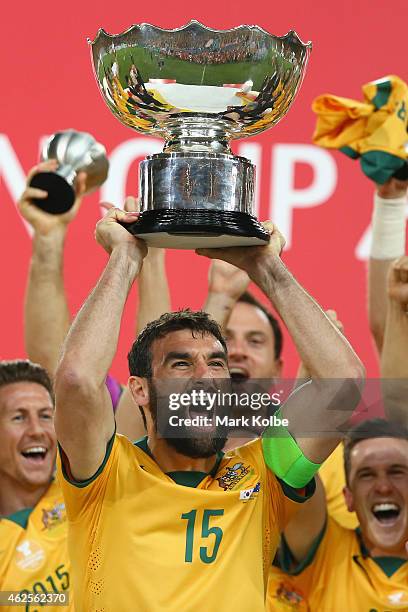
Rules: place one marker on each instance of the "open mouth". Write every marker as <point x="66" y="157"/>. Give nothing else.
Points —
<point x="204" y="420"/>
<point x="239" y="374"/>
<point x="200" y="410"/>
<point x="386" y="513"/>
<point x="35" y="454"/>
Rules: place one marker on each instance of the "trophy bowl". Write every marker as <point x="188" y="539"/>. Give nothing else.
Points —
<point x="75" y="152"/>
<point x="198" y="89"/>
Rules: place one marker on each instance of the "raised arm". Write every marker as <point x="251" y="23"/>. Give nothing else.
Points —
<point x="394" y="357"/>
<point x="307" y="524"/>
<point x="388" y="243"/>
<point x="154" y="300"/>
<point x="154" y="294"/>
<point x="46" y="314"/>
<point x="303" y="374"/>
<point x="226" y="284"/>
<point x="318" y="410"/>
<point x="84" y="419"/>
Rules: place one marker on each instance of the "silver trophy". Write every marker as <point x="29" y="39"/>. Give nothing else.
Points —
<point x="198" y="89"/>
<point x="75" y="152"/>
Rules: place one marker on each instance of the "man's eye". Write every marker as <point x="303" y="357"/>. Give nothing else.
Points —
<point x="256" y="341"/>
<point x="47" y="417"/>
<point x="217" y="364"/>
<point x="180" y="364"/>
<point x="17" y="417"/>
<point x="366" y="475"/>
<point x="398" y="472"/>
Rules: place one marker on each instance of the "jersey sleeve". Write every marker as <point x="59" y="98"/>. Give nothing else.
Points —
<point x="82" y="495"/>
<point x="311" y="571"/>
<point x="282" y="501"/>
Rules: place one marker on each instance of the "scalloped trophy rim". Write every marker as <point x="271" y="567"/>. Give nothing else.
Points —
<point x="138" y="26"/>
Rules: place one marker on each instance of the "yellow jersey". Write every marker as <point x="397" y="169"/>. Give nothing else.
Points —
<point x="33" y="551"/>
<point x="341" y="576"/>
<point x="334" y="481"/>
<point x="140" y="539"/>
<point x="284" y="595"/>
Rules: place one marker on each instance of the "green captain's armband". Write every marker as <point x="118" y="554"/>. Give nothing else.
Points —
<point x="284" y="457"/>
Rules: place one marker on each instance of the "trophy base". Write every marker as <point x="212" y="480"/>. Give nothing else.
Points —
<point x="61" y="195"/>
<point x="199" y="228"/>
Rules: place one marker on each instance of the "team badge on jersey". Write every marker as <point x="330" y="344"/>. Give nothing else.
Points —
<point x="29" y="555"/>
<point x="291" y="599"/>
<point x="233" y="475"/>
<point x="53" y="518"/>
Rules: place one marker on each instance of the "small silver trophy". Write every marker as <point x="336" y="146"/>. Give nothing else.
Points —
<point x="75" y="152"/>
<point x="198" y="89"/>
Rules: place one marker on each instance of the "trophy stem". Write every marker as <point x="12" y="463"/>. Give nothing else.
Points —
<point x="197" y="134"/>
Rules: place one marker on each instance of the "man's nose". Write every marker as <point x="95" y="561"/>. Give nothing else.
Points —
<point x="383" y="485"/>
<point x="201" y="370"/>
<point x="35" y="427"/>
<point x="237" y="348"/>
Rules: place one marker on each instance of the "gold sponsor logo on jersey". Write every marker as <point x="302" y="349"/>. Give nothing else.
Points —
<point x="29" y="555"/>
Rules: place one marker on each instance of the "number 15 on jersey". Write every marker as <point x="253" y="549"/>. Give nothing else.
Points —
<point x="208" y="553"/>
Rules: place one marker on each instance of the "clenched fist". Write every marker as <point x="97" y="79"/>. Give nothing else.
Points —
<point x="225" y="279"/>
<point x="251" y="259"/>
<point x="41" y="221"/>
<point x="110" y="233"/>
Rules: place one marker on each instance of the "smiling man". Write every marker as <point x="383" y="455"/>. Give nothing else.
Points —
<point x="182" y="521"/>
<point x="253" y="334"/>
<point x="366" y="569"/>
<point x="33" y="550"/>
<point x="254" y="340"/>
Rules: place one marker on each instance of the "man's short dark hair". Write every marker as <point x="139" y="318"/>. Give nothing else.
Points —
<point x="140" y="355"/>
<point x="366" y="430"/>
<point x="23" y="370"/>
<point x="248" y="298"/>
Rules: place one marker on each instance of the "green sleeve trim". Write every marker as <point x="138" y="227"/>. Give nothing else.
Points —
<point x="380" y="165"/>
<point x="293" y="494"/>
<point x="84" y="483"/>
<point x="20" y="517"/>
<point x="382" y="95"/>
<point x="142" y="444"/>
<point x="349" y="152"/>
<point x="287" y="561"/>
<point x="285" y="458"/>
